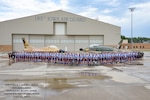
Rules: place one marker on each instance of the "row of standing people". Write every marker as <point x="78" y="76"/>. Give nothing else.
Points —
<point x="76" y="58"/>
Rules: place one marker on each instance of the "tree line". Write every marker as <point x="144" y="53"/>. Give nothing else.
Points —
<point x="137" y="39"/>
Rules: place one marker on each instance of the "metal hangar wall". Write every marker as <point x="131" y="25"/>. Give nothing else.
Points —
<point x="66" y="30"/>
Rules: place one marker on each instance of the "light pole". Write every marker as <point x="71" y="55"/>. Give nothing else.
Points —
<point x="131" y="10"/>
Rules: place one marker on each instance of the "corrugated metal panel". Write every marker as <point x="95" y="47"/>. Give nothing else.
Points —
<point x="96" y="40"/>
<point x="17" y="41"/>
<point x="69" y="43"/>
<point x="81" y="42"/>
<point x="52" y="40"/>
<point x="37" y="41"/>
<point x="63" y="42"/>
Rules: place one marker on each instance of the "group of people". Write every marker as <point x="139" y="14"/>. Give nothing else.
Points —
<point x="71" y="58"/>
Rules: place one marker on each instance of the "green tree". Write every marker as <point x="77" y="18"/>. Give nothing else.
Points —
<point x="123" y="37"/>
<point x="136" y="39"/>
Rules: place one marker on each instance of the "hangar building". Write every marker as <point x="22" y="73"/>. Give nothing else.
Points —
<point x="66" y="30"/>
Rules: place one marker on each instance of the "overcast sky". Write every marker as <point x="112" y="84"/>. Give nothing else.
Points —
<point x="110" y="11"/>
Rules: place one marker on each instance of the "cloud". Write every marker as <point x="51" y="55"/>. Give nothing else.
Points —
<point x="64" y="4"/>
<point x="114" y="2"/>
<point x="105" y="11"/>
<point x="141" y="19"/>
<point x="89" y="12"/>
<point x="142" y="12"/>
<point x="110" y="11"/>
<point x="17" y="8"/>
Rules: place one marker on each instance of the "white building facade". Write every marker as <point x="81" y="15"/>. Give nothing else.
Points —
<point x="66" y="30"/>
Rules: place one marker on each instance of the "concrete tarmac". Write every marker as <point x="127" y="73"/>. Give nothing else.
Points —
<point x="42" y="81"/>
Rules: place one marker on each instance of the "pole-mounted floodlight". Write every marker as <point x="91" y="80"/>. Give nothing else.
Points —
<point x="132" y="9"/>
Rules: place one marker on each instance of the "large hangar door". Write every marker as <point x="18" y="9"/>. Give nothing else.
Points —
<point x="81" y="42"/>
<point x="17" y="42"/>
<point x="96" y="40"/>
<point x="85" y="41"/>
<point x="62" y="42"/>
<point x="52" y="40"/>
<point x="67" y="43"/>
<point x="37" y="41"/>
